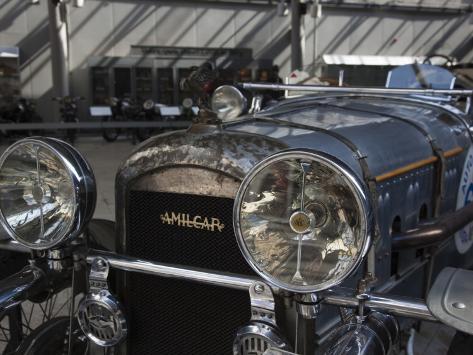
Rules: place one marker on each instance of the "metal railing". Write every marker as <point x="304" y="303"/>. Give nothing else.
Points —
<point x="92" y="125"/>
<point x="354" y="90"/>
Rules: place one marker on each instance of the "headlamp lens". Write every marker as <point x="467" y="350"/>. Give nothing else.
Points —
<point x="301" y="221"/>
<point x="228" y="102"/>
<point x="39" y="189"/>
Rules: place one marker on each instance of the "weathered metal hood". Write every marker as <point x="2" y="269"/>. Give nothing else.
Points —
<point x="390" y="132"/>
<point x="233" y="153"/>
<point x="204" y="160"/>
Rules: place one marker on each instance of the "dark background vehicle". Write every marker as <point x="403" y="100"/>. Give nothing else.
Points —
<point x="69" y="113"/>
<point x="123" y="109"/>
<point x="150" y="113"/>
<point x="22" y="110"/>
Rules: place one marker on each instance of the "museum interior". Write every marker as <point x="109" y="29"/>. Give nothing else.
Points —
<point x="247" y="177"/>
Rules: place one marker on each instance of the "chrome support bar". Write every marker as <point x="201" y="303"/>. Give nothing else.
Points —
<point x="18" y="287"/>
<point x="353" y="90"/>
<point x="395" y="305"/>
<point x="176" y="272"/>
<point x="399" y="306"/>
<point x="13" y="245"/>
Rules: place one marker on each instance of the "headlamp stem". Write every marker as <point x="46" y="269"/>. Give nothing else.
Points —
<point x="308" y="307"/>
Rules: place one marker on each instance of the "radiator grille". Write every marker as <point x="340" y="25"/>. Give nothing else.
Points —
<point x="176" y="317"/>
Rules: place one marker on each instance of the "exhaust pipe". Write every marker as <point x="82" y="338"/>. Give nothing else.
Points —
<point x="435" y="231"/>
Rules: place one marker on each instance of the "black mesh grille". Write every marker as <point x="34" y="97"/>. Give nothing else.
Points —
<point x="175" y="317"/>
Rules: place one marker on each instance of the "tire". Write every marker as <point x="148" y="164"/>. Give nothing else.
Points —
<point x="143" y="134"/>
<point x="11" y="262"/>
<point x="22" y="324"/>
<point x="51" y="338"/>
<point x="70" y="135"/>
<point x="110" y="134"/>
<point x="101" y="234"/>
<point x="462" y="344"/>
<point x="36" y="119"/>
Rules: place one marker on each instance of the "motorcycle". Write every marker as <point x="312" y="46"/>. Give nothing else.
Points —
<point x="148" y="113"/>
<point x="127" y="110"/>
<point x="68" y="110"/>
<point x="22" y="111"/>
<point x="188" y="109"/>
<point x="123" y="110"/>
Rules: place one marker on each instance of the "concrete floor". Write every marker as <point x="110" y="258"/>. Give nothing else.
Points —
<point x="105" y="158"/>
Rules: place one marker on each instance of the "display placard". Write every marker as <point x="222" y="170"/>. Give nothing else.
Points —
<point x="100" y="111"/>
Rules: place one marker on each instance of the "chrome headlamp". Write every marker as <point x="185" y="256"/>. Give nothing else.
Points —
<point x="187" y="103"/>
<point x="47" y="192"/>
<point x="148" y="105"/>
<point x="302" y="220"/>
<point x="228" y="102"/>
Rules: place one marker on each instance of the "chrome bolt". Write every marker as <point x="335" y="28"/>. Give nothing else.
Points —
<point x="362" y="298"/>
<point x="259" y="288"/>
<point x="100" y="263"/>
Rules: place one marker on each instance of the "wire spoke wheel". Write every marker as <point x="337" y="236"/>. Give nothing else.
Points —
<point x="49" y="318"/>
<point x="111" y="134"/>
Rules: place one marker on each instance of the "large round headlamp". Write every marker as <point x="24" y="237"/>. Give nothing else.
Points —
<point x="228" y="102"/>
<point x="47" y="192"/>
<point x="302" y="220"/>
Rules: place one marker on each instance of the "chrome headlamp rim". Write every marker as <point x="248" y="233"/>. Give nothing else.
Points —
<point x="84" y="187"/>
<point x="238" y="94"/>
<point x="357" y="187"/>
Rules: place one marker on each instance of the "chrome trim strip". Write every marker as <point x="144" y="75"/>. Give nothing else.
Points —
<point x="403" y="170"/>
<point x="355" y="90"/>
<point x="341" y="297"/>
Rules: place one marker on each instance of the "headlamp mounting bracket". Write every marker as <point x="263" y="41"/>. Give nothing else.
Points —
<point x="262" y="303"/>
<point x="98" y="275"/>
